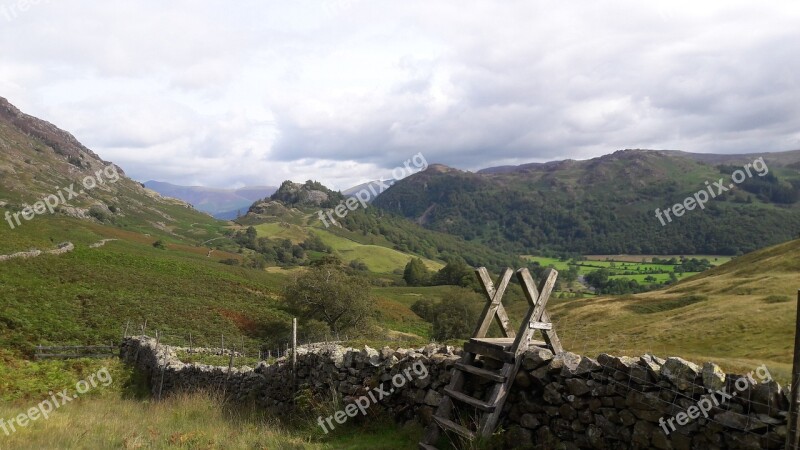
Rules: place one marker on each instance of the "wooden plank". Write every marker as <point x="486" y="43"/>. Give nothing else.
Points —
<point x="449" y="425"/>
<point x="494" y="308"/>
<point x="541" y="326"/>
<point x="490" y="351"/>
<point x="472" y="401"/>
<point x="497" y="396"/>
<point x="551" y="337"/>
<point x="537" y="300"/>
<point x="483" y="373"/>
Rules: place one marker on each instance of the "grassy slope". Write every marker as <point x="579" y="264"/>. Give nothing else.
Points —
<point x="88" y="296"/>
<point x="741" y="315"/>
<point x="378" y="256"/>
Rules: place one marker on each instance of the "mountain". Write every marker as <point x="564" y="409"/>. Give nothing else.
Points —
<point x="221" y="203"/>
<point x="372" y="189"/>
<point x="52" y="186"/>
<point x="607" y="205"/>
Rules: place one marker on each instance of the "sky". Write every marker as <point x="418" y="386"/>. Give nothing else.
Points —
<point x="254" y="92"/>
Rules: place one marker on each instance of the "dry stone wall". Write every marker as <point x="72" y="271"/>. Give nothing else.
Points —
<point x="564" y="401"/>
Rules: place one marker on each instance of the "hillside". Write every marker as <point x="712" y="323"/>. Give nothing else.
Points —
<point x="382" y="240"/>
<point x="39" y="161"/>
<point x="741" y="313"/>
<point x="607" y="205"/>
<point x="220" y="203"/>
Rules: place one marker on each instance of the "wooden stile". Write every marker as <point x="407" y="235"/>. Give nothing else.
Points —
<point x="508" y="350"/>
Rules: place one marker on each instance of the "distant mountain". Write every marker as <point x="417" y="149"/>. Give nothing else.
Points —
<point x="607" y="205"/>
<point x="220" y="203"/>
<point x="377" y="187"/>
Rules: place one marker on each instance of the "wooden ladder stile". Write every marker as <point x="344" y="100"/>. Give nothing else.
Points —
<point x="507" y="350"/>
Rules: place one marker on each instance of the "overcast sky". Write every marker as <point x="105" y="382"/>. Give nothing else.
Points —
<point x="252" y="92"/>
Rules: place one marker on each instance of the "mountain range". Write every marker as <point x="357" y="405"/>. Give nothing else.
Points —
<point x="224" y="204"/>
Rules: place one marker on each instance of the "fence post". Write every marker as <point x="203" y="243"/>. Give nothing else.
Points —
<point x="793" y="421"/>
<point x="294" y="355"/>
<point x="222" y="350"/>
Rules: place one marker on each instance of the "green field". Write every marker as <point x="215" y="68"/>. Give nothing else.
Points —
<point x="627" y="268"/>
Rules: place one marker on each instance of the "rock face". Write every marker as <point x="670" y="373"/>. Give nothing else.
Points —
<point x="557" y="401"/>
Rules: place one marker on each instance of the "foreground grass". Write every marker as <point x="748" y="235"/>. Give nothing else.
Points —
<point x="121" y="415"/>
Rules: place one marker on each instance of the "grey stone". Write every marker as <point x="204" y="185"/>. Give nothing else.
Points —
<point x="680" y="372"/>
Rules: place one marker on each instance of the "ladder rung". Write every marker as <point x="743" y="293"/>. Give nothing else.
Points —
<point x="424" y="446"/>
<point x="489" y="375"/>
<point x="449" y="425"/>
<point x="464" y="398"/>
<point x="541" y="325"/>
<point x="480" y="348"/>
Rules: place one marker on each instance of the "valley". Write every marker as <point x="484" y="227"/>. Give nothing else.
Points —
<point x="195" y="279"/>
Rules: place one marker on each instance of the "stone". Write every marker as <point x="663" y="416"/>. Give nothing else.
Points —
<point x="578" y="386"/>
<point x="680" y="372"/>
<point x="529" y="421"/>
<point x="642" y="431"/>
<point x="713" y="377"/>
<point x="551" y="394"/>
<point x="732" y="420"/>
<point x="517" y="436"/>
<point x="533" y="359"/>
<point x="432" y="398"/>
<point x="570" y="362"/>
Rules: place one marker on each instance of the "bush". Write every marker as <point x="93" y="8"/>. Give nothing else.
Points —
<point x="328" y="294"/>
<point x="160" y="244"/>
<point x="454" y="316"/>
<point x="230" y="262"/>
<point x="99" y="213"/>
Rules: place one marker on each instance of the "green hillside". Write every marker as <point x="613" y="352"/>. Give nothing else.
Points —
<point x="607" y="205"/>
<point x="741" y="314"/>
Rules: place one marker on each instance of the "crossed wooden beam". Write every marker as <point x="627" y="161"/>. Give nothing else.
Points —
<point x="537" y="317"/>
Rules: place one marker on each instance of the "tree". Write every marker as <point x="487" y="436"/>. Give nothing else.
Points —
<point x="454" y="316"/>
<point x="416" y="274"/>
<point x="598" y="279"/>
<point x="328" y="294"/>
<point x="455" y="273"/>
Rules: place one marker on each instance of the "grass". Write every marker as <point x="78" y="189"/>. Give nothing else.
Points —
<point x="87" y="296"/>
<point x="379" y="259"/>
<point x="656" y="306"/>
<point x="720" y="315"/>
<point x="120" y="415"/>
<point x="187" y="421"/>
<point x="777" y="299"/>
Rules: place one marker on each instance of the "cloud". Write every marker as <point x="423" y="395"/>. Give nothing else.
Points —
<point x="342" y="91"/>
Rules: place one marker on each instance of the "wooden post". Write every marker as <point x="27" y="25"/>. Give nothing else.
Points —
<point x="222" y="352"/>
<point x="244" y="354"/>
<point x="190" y="343"/>
<point x="144" y="328"/>
<point x="125" y="333"/>
<point x="158" y="338"/>
<point x="294" y="354"/>
<point x="793" y="432"/>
